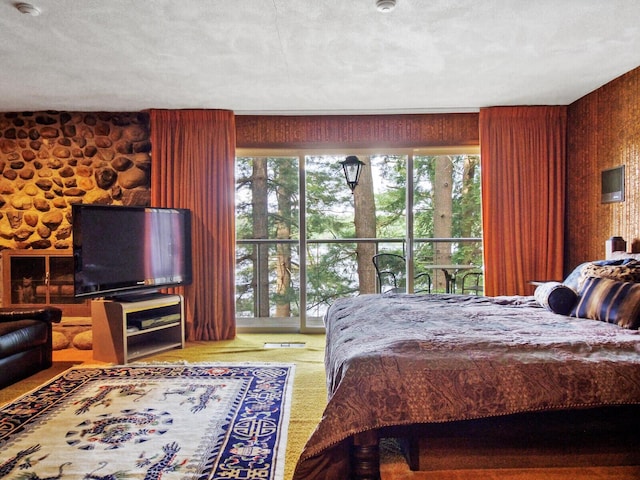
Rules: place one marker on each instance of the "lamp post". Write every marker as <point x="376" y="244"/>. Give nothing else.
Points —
<point x="352" y="168"/>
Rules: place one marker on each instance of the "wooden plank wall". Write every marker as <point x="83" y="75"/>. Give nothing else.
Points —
<point x="603" y="132"/>
<point x="356" y="131"/>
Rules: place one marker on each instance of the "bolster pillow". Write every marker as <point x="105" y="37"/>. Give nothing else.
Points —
<point x="556" y="297"/>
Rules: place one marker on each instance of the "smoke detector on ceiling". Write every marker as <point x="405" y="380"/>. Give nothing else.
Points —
<point x="28" y="9"/>
<point x="385" y="6"/>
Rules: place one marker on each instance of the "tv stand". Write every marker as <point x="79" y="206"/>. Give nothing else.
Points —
<point x="131" y="329"/>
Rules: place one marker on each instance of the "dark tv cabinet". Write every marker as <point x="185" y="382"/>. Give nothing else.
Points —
<point x="126" y="330"/>
<point x="34" y="278"/>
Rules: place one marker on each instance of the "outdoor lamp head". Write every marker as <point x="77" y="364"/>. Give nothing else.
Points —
<point x="352" y="168"/>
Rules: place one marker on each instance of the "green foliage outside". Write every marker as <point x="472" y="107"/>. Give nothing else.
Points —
<point x="331" y="268"/>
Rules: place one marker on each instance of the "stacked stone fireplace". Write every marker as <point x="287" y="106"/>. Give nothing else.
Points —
<point x="52" y="160"/>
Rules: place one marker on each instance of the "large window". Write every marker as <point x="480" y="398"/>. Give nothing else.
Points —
<point x="304" y="239"/>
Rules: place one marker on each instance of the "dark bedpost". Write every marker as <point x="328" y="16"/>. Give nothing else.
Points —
<point x="365" y="456"/>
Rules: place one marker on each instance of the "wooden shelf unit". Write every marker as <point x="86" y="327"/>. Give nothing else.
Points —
<point x="32" y="278"/>
<point x="127" y="330"/>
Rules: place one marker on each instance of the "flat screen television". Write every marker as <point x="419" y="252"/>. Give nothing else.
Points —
<point x="122" y="251"/>
<point x="612" y="182"/>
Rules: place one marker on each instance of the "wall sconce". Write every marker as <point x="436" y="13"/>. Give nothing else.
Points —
<point x="352" y="168"/>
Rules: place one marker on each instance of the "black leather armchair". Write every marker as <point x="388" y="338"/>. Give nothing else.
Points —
<point x="26" y="341"/>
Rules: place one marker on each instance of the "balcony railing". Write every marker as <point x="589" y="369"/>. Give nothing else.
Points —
<point x="314" y="282"/>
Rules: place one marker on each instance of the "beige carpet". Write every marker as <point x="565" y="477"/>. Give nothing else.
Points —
<point x="309" y="399"/>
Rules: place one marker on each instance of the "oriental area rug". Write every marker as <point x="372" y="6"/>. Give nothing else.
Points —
<point x="151" y="421"/>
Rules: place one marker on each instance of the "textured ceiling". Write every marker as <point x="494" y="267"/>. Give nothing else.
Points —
<point x="311" y="56"/>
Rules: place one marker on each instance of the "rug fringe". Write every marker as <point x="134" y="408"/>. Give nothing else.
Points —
<point x="186" y="363"/>
<point x="233" y="364"/>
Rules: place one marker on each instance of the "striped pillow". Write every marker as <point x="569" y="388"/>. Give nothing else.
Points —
<point x="609" y="301"/>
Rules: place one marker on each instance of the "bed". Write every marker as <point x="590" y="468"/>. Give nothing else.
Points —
<point x="443" y="370"/>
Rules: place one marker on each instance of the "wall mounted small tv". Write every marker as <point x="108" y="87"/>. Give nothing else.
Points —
<point x="123" y="251"/>
<point x="612" y="185"/>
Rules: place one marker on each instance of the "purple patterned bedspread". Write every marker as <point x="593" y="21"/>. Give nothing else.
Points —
<point x="405" y="359"/>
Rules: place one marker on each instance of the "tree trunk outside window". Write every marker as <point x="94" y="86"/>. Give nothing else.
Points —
<point x="365" y="223"/>
<point x="260" y="230"/>
<point x="443" y="212"/>
<point x="285" y="177"/>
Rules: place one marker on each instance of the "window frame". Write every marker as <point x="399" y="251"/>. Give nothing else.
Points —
<point x="301" y="154"/>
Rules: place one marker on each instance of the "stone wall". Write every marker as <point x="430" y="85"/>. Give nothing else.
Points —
<point x="51" y="160"/>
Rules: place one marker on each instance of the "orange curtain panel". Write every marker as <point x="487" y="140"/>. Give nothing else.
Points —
<point x="192" y="166"/>
<point x="523" y="155"/>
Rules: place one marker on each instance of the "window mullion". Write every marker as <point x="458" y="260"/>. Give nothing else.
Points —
<point x="409" y="225"/>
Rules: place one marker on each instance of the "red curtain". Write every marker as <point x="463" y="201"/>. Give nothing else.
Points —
<point x="192" y="166"/>
<point x="523" y="155"/>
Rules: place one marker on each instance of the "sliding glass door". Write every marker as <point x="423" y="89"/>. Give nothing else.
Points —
<point x="268" y="234"/>
<point x="305" y="239"/>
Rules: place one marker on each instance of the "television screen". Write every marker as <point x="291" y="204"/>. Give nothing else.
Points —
<point x="125" y="250"/>
<point x="612" y="182"/>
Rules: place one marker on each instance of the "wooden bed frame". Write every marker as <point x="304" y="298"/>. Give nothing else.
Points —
<point x="605" y="436"/>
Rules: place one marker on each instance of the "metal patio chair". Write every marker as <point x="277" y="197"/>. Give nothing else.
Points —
<point x="391" y="272"/>
<point x="472" y="283"/>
